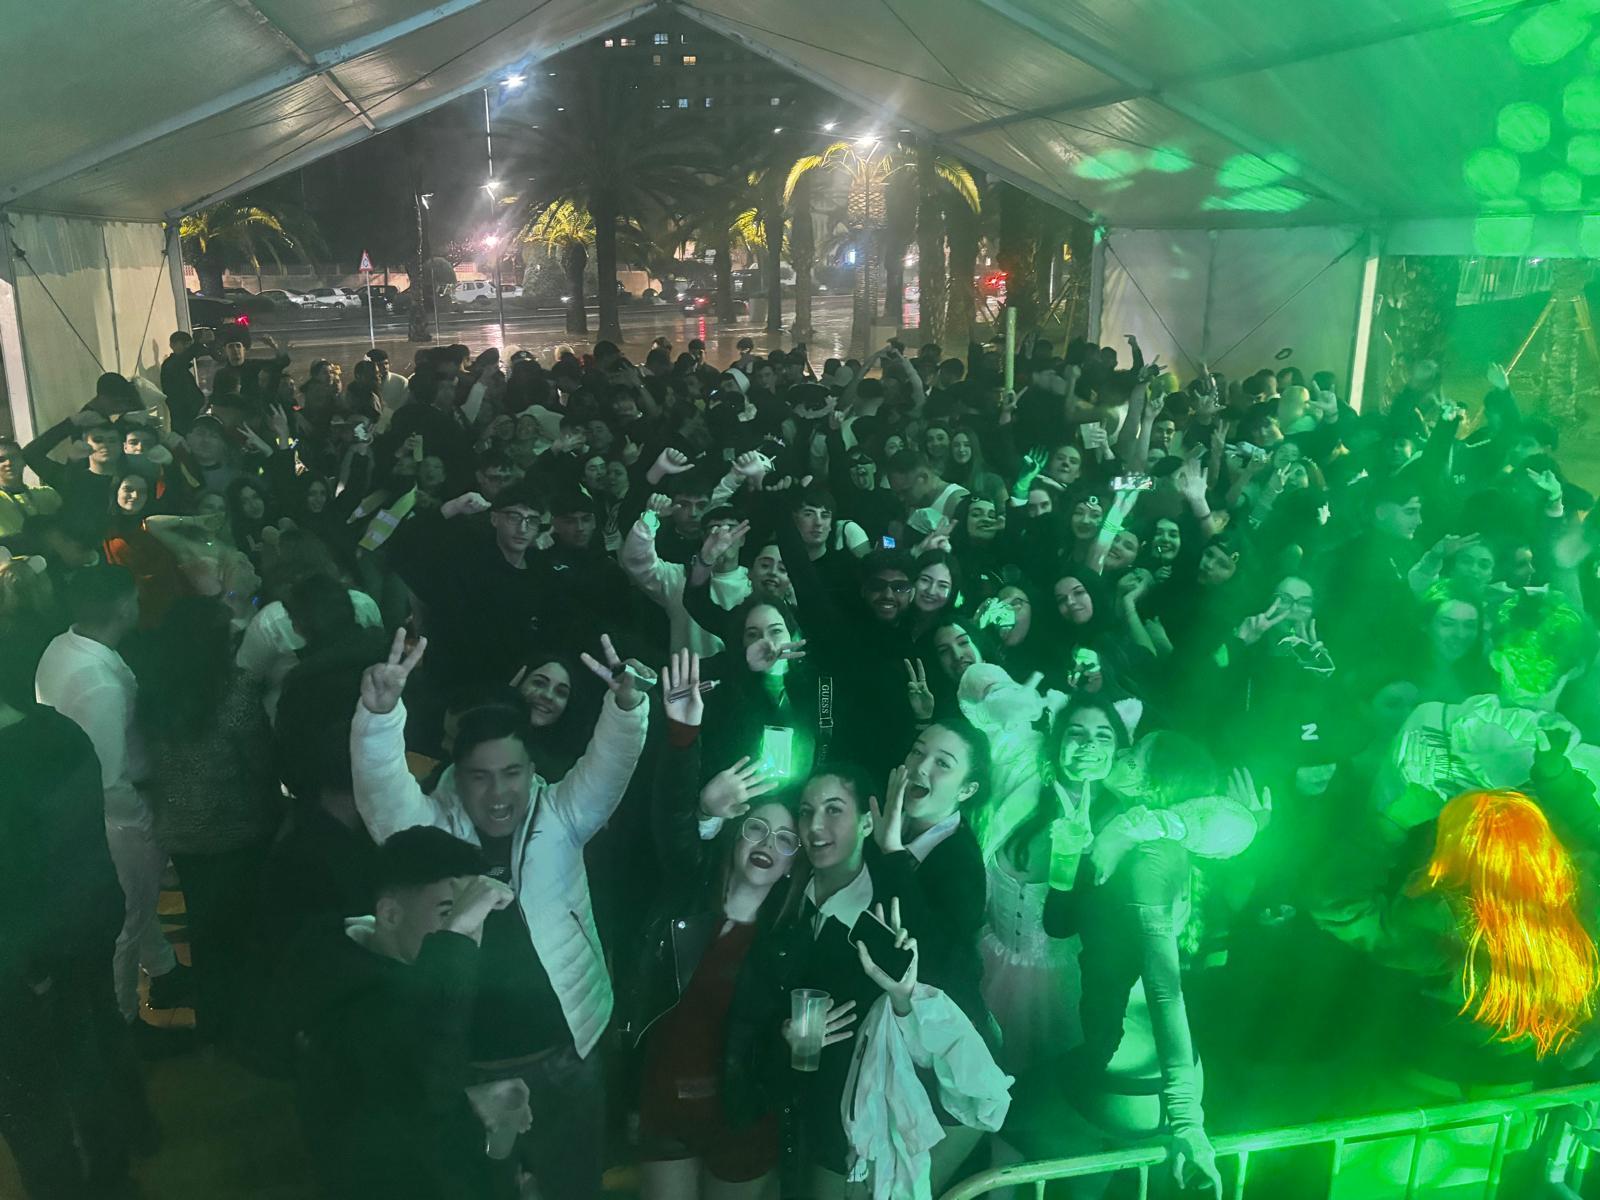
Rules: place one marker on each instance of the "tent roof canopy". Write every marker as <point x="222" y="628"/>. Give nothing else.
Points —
<point x="1128" y="112"/>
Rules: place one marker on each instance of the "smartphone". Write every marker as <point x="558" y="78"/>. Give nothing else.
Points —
<point x="878" y="938"/>
<point x="777" y="750"/>
<point x="886" y="542"/>
<point x="416" y="448"/>
<point x="361" y="433"/>
<point x="1133" y="483"/>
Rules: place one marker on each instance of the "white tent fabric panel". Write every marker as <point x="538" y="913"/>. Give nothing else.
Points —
<point x="1235" y="299"/>
<point x="93" y="297"/>
<point x="1314" y="113"/>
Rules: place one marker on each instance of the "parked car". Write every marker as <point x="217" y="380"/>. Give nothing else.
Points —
<point x="473" y="291"/>
<point x="334" y="297"/>
<point x="381" y="294"/>
<point x="702" y="302"/>
<point x="230" y="321"/>
<point x="284" y="298"/>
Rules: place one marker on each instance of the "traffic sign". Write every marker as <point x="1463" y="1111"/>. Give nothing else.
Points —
<point x="366" y="262"/>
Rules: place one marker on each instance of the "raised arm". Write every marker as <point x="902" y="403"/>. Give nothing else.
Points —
<point x="591" y="791"/>
<point x="387" y="795"/>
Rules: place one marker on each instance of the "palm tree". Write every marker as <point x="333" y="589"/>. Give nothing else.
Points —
<point x="241" y="231"/>
<point x="962" y="229"/>
<point x="867" y="170"/>
<point x="621" y="162"/>
<point x="564" y="232"/>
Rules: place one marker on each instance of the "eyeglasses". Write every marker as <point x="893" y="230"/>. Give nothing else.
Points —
<point x="757" y="832"/>
<point x="520" y="520"/>
<point x="898" y="586"/>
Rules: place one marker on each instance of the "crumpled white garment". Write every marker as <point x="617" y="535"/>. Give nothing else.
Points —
<point x="889" y="1120"/>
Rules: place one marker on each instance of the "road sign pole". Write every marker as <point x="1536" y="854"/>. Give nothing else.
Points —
<point x="366" y="288"/>
<point x="501" y="297"/>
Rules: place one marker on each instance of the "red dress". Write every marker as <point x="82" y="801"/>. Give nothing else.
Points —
<point x="681" y="1099"/>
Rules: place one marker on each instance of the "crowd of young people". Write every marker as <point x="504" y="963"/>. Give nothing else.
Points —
<point x="791" y="778"/>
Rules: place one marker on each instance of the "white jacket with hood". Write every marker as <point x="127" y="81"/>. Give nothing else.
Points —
<point x="547" y="870"/>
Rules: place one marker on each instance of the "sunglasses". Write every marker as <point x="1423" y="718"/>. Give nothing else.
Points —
<point x="898" y="586"/>
<point x="756" y="831"/>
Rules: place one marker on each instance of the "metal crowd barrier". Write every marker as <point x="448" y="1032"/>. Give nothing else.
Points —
<point x="1456" y="1150"/>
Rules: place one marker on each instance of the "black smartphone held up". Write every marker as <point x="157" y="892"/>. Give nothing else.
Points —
<point x="879" y="941"/>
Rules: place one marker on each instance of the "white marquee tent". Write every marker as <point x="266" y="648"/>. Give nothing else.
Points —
<point x="1247" y="159"/>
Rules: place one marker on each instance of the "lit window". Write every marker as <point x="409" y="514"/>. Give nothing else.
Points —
<point x="609" y="42"/>
<point x="690" y="60"/>
<point x="663" y="103"/>
<point x="626" y="42"/>
<point x="683" y="102"/>
<point x="708" y="101"/>
<point x="660" y="39"/>
<point x="683" y="39"/>
<point x="655" y="60"/>
<point x="775" y="101"/>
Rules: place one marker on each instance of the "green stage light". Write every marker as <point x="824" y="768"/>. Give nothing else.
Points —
<point x="1523" y="127"/>
<point x="1108" y="164"/>
<point x="1493" y="173"/>
<point x="1261" y="199"/>
<point x="1253" y="171"/>
<point x="1169" y="160"/>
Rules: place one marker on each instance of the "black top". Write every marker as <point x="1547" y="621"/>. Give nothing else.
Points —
<point x="518" y="1012"/>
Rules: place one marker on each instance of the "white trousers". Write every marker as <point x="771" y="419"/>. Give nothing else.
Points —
<point x="139" y="862"/>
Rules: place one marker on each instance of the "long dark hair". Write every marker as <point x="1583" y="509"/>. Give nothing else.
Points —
<point x="187" y="671"/>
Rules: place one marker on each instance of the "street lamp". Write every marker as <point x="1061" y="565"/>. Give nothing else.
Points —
<point x="492" y="241"/>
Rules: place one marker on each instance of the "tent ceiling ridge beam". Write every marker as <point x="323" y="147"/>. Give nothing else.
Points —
<point x="1231" y="70"/>
<point x="320" y="148"/>
<point x="732" y="31"/>
<point x="324" y="73"/>
<point x="1106" y="63"/>
<point x="233" y="99"/>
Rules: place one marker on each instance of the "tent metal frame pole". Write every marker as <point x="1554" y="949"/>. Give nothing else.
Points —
<point x="1365" y="311"/>
<point x="1105" y="62"/>
<point x="319" y="150"/>
<point x="237" y="98"/>
<point x="876" y="108"/>
<point x="180" y="290"/>
<point x="324" y="74"/>
<point x="1097" y="283"/>
<point x="19" y="397"/>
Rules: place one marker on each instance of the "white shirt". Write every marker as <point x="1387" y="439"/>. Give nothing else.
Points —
<point x="845" y="905"/>
<point x="270" y="647"/>
<point x="88" y="682"/>
<point x="922" y="845"/>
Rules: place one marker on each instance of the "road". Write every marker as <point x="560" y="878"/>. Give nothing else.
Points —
<point x="342" y="336"/>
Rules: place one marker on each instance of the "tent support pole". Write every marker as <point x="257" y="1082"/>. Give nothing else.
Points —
<point x="1365" y="311"/>
<point x="180" y="291"/>
<point x="1097" y="284"/>
<point x="18" y="400"/>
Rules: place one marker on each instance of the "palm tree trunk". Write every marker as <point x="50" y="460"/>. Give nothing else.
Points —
<point x="722" y="250"/>
<point x="605" y="253"/>
<point x="803" y="250"/>
<point x="930" y="248"/>
<point x="1019" y="241"/>
<point x="771" y="201"/>
<point x="962" y="224"/>
<point x="900" y="220"/>
<point x="210" y="272"/>
<point x="869" y="261"/>
<point x="575" y="259"/>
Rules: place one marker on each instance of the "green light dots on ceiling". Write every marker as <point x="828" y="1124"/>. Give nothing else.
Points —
<point x="1548" y="35"/>
<point x="1583" y="153"/>
<point x="1261" y="199"/>
<point x="1169" y="160"/>
<point x="1107" y="165"/>
<point x="1523" y="127"/>
<point x="1253" y="171"/>
<point x="1493" y="173"/>
<point x="1580" y="102"/>
<point x="1560" y="190"/>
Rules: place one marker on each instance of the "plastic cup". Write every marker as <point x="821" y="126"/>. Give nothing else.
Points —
<point x="504" y="1112"/>
<point x="808" y="1020"/>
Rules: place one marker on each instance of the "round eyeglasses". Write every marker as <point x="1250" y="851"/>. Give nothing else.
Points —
<point x="757" y="832"/>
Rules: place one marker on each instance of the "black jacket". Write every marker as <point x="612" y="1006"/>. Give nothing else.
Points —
<point x="381" y="1064"/>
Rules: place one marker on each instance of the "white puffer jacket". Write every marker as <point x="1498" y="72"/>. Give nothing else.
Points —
<point x="547" y="869"/>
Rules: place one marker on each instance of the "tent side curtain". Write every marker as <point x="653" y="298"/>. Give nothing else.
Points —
<point x="1235" y="299"/>
<point x="95" y="296"/>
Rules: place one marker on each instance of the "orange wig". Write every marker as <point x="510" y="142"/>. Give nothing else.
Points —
<point x="1531" y="968"/>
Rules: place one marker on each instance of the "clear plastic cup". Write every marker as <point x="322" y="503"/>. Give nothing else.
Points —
<point x="808" y="1021"/>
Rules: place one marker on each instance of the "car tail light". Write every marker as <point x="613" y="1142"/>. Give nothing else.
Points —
<point x="241" y="319"/>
